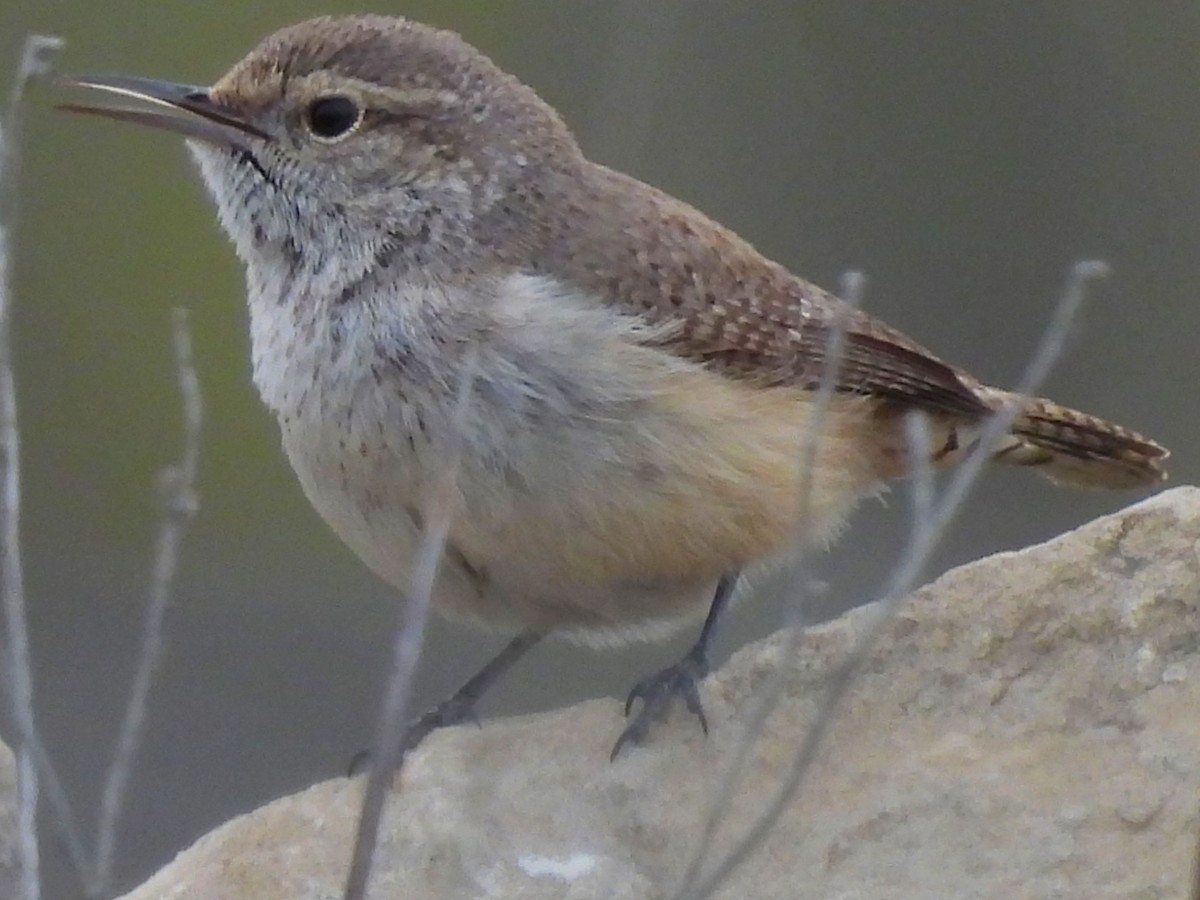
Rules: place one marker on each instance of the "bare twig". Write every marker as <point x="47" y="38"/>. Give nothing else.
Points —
<point x="1194" y="894"/>
<point x="929" y="524"/>
<point x="918" y="440"/>
<point x="1195" y="891"/>
<point x="853" y="284"/>
<point x="51" y="789"/>
<point x="441" y="506"/>
<point x="177" y="489"/>
<point x="35" y="62"/>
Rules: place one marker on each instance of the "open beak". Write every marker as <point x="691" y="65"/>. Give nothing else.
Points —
<point x="183" y="108"/>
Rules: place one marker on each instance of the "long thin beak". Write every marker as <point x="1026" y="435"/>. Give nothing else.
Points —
<point x="189" y="109"/>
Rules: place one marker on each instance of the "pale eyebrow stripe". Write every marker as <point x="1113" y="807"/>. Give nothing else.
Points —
<point x="415" y="96"/>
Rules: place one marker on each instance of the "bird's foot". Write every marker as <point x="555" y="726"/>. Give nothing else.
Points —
<point x="460" y="707"/>
<point x="658" y="692"/>
<point x="455" y="710"/>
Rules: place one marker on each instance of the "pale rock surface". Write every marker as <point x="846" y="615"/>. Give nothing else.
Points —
<point x="1028" y="728"/>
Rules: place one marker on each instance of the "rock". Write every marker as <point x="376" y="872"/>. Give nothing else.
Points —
<point x="1029" y="726"/>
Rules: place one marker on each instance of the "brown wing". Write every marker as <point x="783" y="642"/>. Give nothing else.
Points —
<point x="726" y="304"/>
<point x="723" y="304"/>
<point x="876" y="361"/>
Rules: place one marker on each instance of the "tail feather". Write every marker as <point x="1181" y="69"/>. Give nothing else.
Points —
<point x="1074" y="448"/>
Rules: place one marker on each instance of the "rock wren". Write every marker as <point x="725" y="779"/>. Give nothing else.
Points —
<point x="640" y="377"/>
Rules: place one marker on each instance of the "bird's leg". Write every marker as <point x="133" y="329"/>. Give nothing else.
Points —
<point x="657" y="692"/>
<point x="459" y="707"/>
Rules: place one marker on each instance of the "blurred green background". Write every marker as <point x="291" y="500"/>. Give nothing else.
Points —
<point x="962" y="154"/>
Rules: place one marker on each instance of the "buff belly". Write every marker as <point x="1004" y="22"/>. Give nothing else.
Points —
<point x="619" y="536"/>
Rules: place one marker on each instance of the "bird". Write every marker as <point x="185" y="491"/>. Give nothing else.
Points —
<point x="443" y="288"/>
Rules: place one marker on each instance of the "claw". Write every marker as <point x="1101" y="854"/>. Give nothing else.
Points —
<point x="657" y="692"/>
<point x="459" y="707"/>
<point x="359" y="763"/>
<point x="455" y="710"/>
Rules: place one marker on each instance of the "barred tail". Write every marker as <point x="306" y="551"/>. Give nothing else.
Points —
<point x="1077" y="449"/>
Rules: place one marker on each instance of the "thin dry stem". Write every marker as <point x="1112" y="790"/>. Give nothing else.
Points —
<point x="1195" y="892"/>
<point x="929" y="524"/>
<point x="51" y="789"/>
<point x="440" y="509"/>
<point x="35" y="62"/>
<point x="177" y="487"/>
<point x="853" y="284"/>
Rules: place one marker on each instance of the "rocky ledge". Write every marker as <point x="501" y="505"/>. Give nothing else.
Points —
<point x="1028" y="727"/>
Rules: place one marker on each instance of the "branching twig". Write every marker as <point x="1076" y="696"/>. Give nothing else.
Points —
<point x="35" y="62"/>
<point x="1195" y="891"/>
<point x="50" y="788"/>
<point x="929" y="524"/>
<point x="441" y="506"/>
<point x="835" y="351"/>
<point x="177" y="486"/>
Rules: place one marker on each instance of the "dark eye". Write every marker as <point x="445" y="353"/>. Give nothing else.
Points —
<point x="330" y="118"/>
